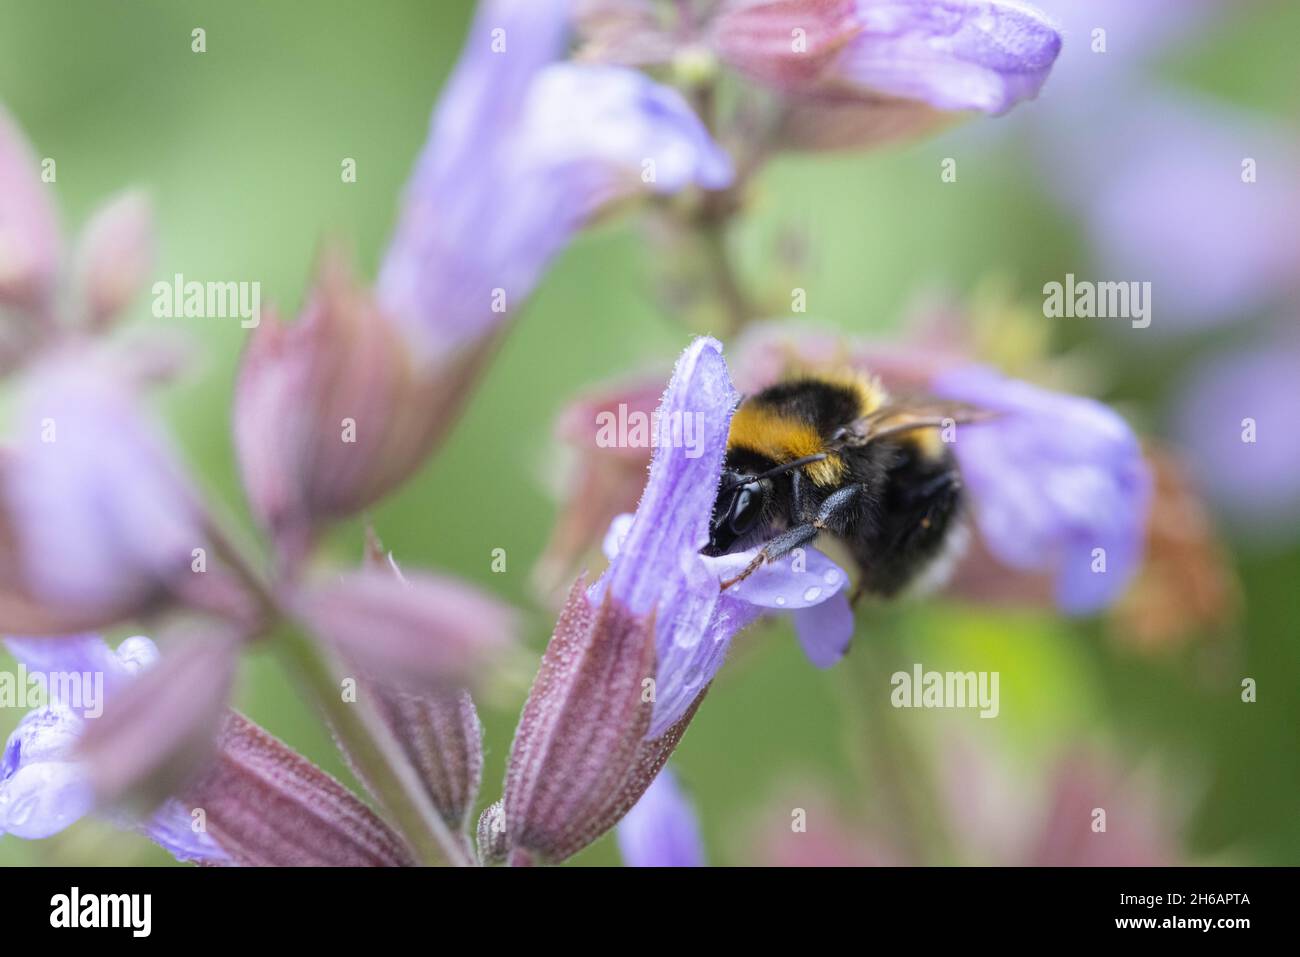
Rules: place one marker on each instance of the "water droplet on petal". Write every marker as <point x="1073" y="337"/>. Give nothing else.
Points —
<point x="812" y="593"/>
<point x="780" y="599"/>
<point x="832" y="577"/>
<point x="21" y="811"/>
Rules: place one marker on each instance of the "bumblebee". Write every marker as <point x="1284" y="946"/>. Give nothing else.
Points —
<point x="835" y="454"/>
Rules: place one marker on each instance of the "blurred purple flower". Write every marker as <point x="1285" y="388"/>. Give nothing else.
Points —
<point x="1234" y="421"/>
<point x="661" y="830"/>
<point x="1199" y="200"/>
<point x="1135" y="36"/>
<point x="256" y="802"/>
<point x="103" y="518"/>
<point x="1053" y="478"/>
<point x="44" y="783"/>
<point x="521" y="153"/>
<point x="982" y="55"/>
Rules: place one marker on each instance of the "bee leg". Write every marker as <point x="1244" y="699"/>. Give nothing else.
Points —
<point x="793" y="538"/>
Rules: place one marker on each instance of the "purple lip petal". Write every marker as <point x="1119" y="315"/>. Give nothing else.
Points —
<point x="825" y="630"/>
<point x="1053" y="479"/>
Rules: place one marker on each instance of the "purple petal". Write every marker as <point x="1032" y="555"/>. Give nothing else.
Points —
<point x="952" y="54"/>
<point x="519" y="156"/>
<point x="1053" y="478"/>
<point x="661" y="829"/>
<point x="84" y="655"/>
<point x="609" y="121"/>
<point x="825" y="630"/>
<point x="659" y="568"/>
<point x="672" y="518"/>
<point x="42" y="788"/>
<point x="801" y="579"/>
<point x="172" y="829"/>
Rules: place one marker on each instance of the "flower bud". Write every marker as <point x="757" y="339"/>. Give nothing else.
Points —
<point x="419" y="632"/>
<point x="268" y="806"/>
<point x="115" y="256"/>
<point x="29" y="231"/>
<point x="330" y="413"/>
<point x="580" y="758"/>
<point x="784" y="43"/>
<point x="160" y="729"/>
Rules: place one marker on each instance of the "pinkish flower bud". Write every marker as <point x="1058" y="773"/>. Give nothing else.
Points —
<point x="268" y="806"/>
<point x="331" y="414"/>
<point x="421" y="631"/>
<point x="784" y="43"/>
<point x="115" y="256"/>
<point x="29" y="231"/>
<point x="442" y="738"/>
<point x="580" y="759"/>
<point x="831" y="122"/>
<point x="160" y="729"/>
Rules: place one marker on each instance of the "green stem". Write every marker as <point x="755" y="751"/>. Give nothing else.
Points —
<point x="904" y="778"/>
<point x="727" y="286"/>
<point x="376" y="754"/>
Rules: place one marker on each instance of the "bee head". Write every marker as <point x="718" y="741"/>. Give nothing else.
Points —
<point x="742" y="499"/>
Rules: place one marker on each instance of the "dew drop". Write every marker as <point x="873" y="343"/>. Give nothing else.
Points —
<point x="832" y="577"/>
<point x="780" y="599"/>
<point x="812" y="593"/>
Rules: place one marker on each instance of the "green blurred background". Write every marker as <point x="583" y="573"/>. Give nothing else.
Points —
<point x="240" y="148"/>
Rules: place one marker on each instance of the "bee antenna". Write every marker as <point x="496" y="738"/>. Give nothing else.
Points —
<point x="790" y="466"/>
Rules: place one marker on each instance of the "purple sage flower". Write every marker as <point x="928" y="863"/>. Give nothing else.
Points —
<point x="661" y="830"/>
<point x="521" y="153"/>
<point x="44" y="784"/>
<point x="633" y="655"/>
<point x="656" y="568"/>
<point x="1057" y="483"/>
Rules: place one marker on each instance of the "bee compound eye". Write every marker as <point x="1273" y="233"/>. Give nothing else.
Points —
<point x="745" y="508"/>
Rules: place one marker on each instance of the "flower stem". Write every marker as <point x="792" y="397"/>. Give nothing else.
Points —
<point x="377" y="756"/>
<point x="727" y="285"/>
<point x="905" y="780"/>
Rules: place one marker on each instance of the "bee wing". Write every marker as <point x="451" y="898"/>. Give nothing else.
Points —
<point x="907" y="416"/>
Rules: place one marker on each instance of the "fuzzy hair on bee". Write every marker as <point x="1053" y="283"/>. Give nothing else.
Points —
<point x="834" y="454"/>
